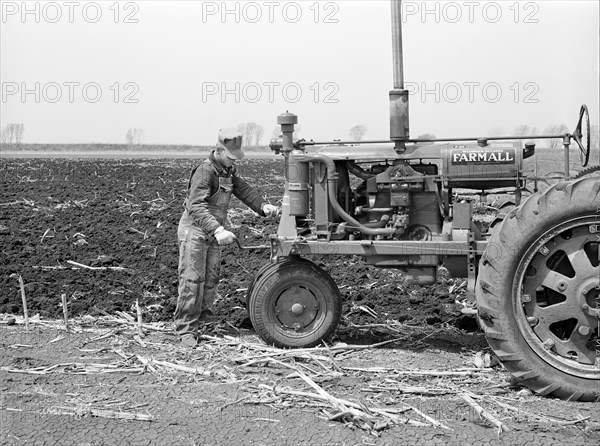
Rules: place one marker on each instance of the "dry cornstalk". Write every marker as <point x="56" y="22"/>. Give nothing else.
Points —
<point x="389" y="327"/>
<point x="362" y="410"/>
<point x="126" y="316"/>
<point x="231" y="403"/>
<point x="414" y="372"/>
<point x="428" y="418"/>
<point x="291" y="354"/>
<point x="267" y="358"/>
<point x="63" y="298"/>
<point x="146" y="363"/>
<point x="389" y="413"/>
<point x="26" y="372"/>
<point x="415" y="390"/>
<point x="536" y="417"/>
<point x="24" y="299"/>
<point x="106" y="335"/>
<point x="366" y="310"/>
<point x="56" y="339"/>
<point x="169" y="365"/>
<point x="75" y="367"/>
<point x="139" y="340"/>
<point x="297" y="352"/>
<point x="44" y="236"/>
<point x="138" y="310"/>
<point x="467" y="396"/>
<point x="458" y="372"/>
<point x="96" y="268"/>
<point x="266" y="419"/>
<point x="48" y="267"/>
<point x="104" y="413"/>
<point x="119" y="352"/>
<point x="145" y="234"/>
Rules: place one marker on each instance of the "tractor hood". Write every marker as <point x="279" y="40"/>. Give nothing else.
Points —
<point x="374" y="152"/>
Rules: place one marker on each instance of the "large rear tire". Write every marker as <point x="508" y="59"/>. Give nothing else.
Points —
<point x="538" y="291"/>
<point x="294" y="303"/>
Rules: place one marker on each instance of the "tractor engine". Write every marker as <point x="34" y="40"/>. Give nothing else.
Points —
<point x="408" y="196"/>
<point x="404" y="197"/>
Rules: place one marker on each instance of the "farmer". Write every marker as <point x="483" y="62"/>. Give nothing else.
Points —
<point x="201" y="231"/>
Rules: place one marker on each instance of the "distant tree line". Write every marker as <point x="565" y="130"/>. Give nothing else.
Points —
<point x="357" y="132"/>
<point x="134" y="137"/>
<point x="252" y="133"/>
<point x="12" y="134"/>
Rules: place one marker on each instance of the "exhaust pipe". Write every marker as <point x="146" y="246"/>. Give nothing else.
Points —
<point x="399" y="130"/>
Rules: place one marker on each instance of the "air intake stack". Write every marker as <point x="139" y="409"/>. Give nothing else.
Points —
<point x="399" y="131"/>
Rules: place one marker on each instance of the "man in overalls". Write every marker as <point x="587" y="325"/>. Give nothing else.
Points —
<point x="201" y="230"/>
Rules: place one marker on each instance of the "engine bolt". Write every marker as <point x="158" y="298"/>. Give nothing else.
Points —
<point x="584" y="330"/>
<point x="548" y="344"/>
<point x="562" y="286"/>
<point x="526" y="298"/>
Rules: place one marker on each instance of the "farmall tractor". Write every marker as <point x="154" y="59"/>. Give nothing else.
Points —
<point x="535" y="271"/>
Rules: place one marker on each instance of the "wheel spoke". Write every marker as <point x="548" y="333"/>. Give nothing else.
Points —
<point x="557" y="282"/>
<point x="577" y="343"/>
<point x="582" y="265"/>
<point x="557" y="312"/>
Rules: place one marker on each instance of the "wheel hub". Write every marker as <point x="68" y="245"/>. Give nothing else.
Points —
<point x="296" y="307"/>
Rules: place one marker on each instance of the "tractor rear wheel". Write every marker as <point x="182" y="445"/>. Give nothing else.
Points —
<point x="538" y="291"/>
<point x="294" y="303"/>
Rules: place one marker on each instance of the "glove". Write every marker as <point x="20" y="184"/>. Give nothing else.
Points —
<point x="223" y="236"/>
<point x="270" y="210"/>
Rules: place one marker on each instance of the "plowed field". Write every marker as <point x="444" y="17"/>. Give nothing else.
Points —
<point x="124" y="213"/>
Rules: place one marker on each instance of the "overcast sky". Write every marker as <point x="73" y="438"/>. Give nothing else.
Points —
<point x="86" y="72"/>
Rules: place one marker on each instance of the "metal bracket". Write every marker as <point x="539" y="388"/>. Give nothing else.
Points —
<point x="471" y="266"/>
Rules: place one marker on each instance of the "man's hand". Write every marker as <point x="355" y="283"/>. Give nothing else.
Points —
<point x="270" y="210"/>
<point x="223" y="236"/>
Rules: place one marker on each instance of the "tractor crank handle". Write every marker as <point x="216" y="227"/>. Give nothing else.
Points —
<point x="249" y="248"/>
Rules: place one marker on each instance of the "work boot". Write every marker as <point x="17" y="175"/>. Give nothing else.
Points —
<point x="188" y="340"/>
<point x="207" y="317"/>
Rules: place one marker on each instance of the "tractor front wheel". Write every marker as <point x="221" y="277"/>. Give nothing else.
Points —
<point x="538" y="291"/>
<point x="294" y="303"/>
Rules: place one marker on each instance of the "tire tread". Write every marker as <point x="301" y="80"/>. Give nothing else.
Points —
<point x="496" y="274"/>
